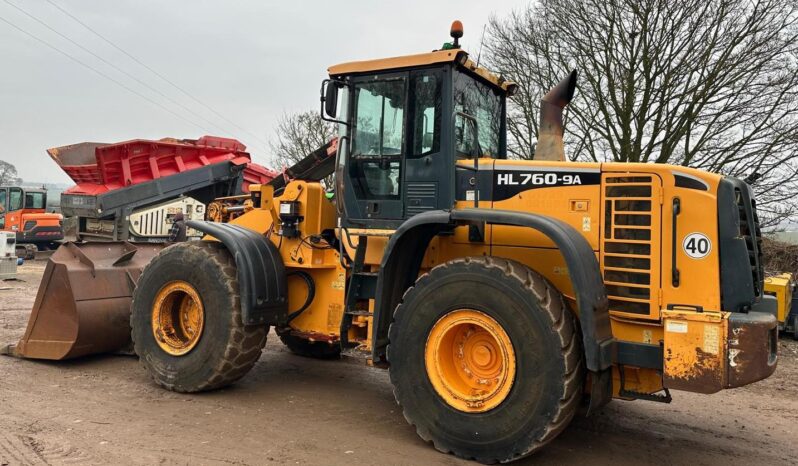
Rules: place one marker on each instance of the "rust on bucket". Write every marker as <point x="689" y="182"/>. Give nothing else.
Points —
<point x="83" y="303"/>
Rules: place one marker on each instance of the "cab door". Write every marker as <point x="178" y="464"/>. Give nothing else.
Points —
<point x="13" y="212"/>
<point x="3" y="207"/>
<point x="428" y="167"/>
<point x="377" y="148"/>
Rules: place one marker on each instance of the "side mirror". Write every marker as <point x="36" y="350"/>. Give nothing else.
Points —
<point x="466" y="135"/>
<point x="331" y="100"/>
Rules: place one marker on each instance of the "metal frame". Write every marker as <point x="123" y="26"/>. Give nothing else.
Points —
<point x="205" y="184"/>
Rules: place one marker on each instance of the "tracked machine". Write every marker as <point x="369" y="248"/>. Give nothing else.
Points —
<point x="498" y="293"/>
<point x="130" y="190"/>
<point x="23" y="212"/>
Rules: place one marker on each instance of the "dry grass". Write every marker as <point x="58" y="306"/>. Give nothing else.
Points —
<point x="780" y="256"/>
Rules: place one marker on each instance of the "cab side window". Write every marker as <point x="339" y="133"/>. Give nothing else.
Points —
<point x="15" y="199"/>
<point x="426" y="101"/>
<point x="484" y="106"/>
<point x="376" y="159"/>
<point x="2" y="208"/>
<point x="34" y="200"/>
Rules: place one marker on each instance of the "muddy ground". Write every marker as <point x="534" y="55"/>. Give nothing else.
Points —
<point x="291" y="410"/>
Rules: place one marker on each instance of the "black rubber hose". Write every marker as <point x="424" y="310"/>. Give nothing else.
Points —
<point x="311" y="293"/>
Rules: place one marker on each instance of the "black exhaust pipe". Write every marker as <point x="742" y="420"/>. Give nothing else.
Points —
<point x="550" y="130"/>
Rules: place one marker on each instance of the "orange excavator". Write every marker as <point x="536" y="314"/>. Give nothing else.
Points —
<point x="23" y="211"/>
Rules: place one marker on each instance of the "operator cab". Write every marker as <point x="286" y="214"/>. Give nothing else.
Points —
<point x="13" y="199"/>
<point x="403" y="124"/>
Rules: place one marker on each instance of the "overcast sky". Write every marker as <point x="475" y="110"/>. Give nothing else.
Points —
<point x="250" y="61"/>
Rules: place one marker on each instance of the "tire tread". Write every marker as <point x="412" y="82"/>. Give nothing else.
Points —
<point x="563" y="323"/>
<point x="243" y="344"/>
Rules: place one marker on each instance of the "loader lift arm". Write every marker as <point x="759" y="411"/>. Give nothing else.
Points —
<point x="316" y="166"/>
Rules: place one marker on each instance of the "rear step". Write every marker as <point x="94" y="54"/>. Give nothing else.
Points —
<point x="362" y="288"/>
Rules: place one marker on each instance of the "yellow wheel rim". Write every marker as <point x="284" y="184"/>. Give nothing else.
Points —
<point x="470" y="361"/>
<point x="178" y="318"/>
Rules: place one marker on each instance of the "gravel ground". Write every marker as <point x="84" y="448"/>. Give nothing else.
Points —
<point x="292" y="410"/>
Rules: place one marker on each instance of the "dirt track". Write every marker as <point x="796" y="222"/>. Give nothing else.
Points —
<point x="291" y="410"/>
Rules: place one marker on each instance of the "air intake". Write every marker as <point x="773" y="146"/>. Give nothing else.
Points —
<point x="629" y="259"/>
<point x="749" y="230"/>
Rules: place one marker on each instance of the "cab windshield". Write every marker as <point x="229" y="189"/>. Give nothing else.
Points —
<point x="482" y="103"/>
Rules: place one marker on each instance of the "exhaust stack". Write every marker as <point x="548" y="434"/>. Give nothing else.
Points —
<point x="550" y="130"/>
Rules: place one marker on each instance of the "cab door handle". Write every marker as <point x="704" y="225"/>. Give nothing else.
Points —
<point x="677" y="209"/>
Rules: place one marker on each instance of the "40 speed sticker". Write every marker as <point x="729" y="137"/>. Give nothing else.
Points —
<point x="696" y="245"/>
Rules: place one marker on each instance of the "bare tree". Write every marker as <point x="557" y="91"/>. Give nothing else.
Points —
<point x="299" y="134"/>
<point x="711" y="84"/>
<point x="8" y="174"/>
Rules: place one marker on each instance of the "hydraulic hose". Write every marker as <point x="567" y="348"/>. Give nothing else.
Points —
<point x="311" y="293"/>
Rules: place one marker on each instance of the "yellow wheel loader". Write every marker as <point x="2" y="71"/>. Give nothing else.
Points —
<point x="498" y="293"/>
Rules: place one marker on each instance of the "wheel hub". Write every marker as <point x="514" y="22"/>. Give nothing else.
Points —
<point x="470" y="360"/>
<point x="178" y="318"/>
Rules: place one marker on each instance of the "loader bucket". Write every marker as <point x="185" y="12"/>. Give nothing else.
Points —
<point x="83" y="303"/>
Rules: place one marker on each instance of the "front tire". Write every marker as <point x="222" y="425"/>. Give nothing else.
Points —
<point x="186" y="320"/>
<point x="485" y="359"/>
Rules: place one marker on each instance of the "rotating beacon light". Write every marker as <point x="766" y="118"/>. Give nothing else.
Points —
<point x="456" y="31"/>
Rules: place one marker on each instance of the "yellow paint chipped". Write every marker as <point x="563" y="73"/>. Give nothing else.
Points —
<point x="694" y="350"/>
<point x="711" y="339"/>
<point x="339" y="282"/>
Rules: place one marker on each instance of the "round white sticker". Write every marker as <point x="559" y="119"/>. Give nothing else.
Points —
<point x="696" y="245"/>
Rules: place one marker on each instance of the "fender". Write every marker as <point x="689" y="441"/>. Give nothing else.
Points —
<point x="260" y="270"/>
<point x="405" y="250"/>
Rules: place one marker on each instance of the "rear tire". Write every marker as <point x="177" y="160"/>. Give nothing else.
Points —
<point x="545" y="349"/>
<point x="225" y="350"/>
<point x="795" y="327"/>
<point x="26" y="251"/>
<point x="310" y="349"/>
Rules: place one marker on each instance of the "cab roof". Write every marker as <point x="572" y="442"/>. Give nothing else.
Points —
<point x="457" y="56"/>
<point x="24" y="188"/>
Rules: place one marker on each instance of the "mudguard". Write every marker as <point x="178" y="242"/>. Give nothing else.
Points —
<point x="260" y="270"/>
<point x="405" y="250"/>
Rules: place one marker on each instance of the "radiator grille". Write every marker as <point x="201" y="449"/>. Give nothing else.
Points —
<point x="629" y="257"/>
<point x="749" y="229"/>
